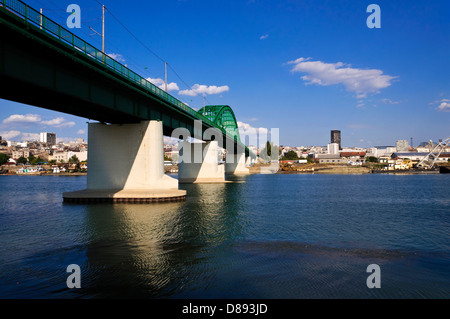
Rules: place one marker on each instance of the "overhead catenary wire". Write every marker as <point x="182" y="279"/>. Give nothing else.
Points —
<point x="132" y="34"/>
<point x="148" y="49"/>
<point x="57" y="11"/>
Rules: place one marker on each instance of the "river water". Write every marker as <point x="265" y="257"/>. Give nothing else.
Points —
<point x="262" y="236"/>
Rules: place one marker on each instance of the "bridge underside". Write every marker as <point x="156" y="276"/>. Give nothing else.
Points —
<point x="54" y="76"/>
<point x="42" y="69"/>
<point x="39" y="69"/>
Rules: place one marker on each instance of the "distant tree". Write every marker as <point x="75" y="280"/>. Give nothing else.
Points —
<point x="167" y="158"/>
<point x="22" y="160"/>
<point x="31" y="158"/>
<point x="3" y="158"/>
<point x="37" y="161"/>
<point x="52" y="161"/>
<point x="74" y="159"/>
<point x="372" y="159"/>
<point x="266" y="152"/>
<point x="291" y="155"/>
<point x="268" y="148"/>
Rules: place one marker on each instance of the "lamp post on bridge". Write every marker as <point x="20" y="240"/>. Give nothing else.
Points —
<point x="103" y="31"/>
<point x="103" y="28"/>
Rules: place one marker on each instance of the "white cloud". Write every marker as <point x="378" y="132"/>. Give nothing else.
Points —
<point x="172" y="86"/>
<point x="19" y="136"/>
<point x="67" y="124"/>
<point x="19" y="118"/>
<point x="247" y="129"/>
<point x="444" y="106"/>
<point x="389" y="101"/>
<point x="58" y="122"/>
<point x="30" y="137"/>
<point x="117" y="57"/>
<point x="54" y="122"/>
<point x="170" y="141"/>
<point x="204" y="89"/>
<point x="359" y="81"/>
<point x="81" y="132"/>
<point x="10" y="134"/>
<point x="36" y="119"/>
<point x="265" y="36"/>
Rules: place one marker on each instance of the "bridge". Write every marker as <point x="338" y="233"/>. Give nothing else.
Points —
<point x="45" y="65"/>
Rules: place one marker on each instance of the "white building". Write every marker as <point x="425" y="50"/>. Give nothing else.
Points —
<point x="82" y="156"/>
<point x="382" y="151"/>
<point x="333" y="148"/>
<point x="63" y="157"/>
<point x="402" y="146"/>
<point x="59" y="157"/>
<point x="19" y="144"/>
<point x="49" y="138"/>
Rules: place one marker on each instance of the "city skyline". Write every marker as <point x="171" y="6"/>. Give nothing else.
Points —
<point x="306" y="67"/>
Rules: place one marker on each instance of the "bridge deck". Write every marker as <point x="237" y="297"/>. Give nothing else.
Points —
<point x="45" y="65"/>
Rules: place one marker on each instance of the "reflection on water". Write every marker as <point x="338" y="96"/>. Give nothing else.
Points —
<point x="157" y="250"/>
<point x="263" y="236"/>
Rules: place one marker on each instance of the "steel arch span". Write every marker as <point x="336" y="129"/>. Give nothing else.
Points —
<point x="222" y="116"/>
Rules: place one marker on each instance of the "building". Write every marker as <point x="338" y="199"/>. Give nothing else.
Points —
<point x="417" y="157"/>
<point x="382" y="151"/>
<point x="62" y="157"/>
<point x="402" y="146"/>
<point x="49" y="138"/>
<point x="82" y="155"/>
<point x="336" y="137"/>
<point x="330" y="159"/>
<point x="354" y="157"/>
<point x="17" y="144"/>
<point x="18" y="153"/>
<point x="333" y="148"/>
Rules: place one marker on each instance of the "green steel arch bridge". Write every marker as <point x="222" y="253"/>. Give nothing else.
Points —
<point x="45" y="65"/>
<point x="222" y="116"/>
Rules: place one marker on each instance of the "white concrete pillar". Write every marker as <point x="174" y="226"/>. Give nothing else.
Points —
<point x="199" y="163"/>
<point x="127" y="161"/>
<point x="128" y="156"/>
<point x="236" y="164"/>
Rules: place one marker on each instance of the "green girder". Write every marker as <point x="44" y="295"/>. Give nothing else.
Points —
<point x="222" y="116"/>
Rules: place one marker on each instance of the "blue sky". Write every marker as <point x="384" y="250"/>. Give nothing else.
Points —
<point x="305" y="67"/>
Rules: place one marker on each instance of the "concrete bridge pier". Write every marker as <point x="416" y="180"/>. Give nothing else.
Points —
<point x="199" y="163"/>
<point x="235" y="164"/>
<point x="126" y="164"/>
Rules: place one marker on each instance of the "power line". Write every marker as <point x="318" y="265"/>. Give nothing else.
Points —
<point x="56" y="11"/>
<point x="132" y="34"/>
<point x="148" y="49"/>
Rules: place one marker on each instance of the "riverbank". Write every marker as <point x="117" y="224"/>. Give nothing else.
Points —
<point x="264" y="169"/>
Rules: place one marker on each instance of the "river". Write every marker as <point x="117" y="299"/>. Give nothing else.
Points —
<point x="262" y="236"/>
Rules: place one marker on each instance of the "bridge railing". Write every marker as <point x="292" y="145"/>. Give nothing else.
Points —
<point x="42" y="22"/>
